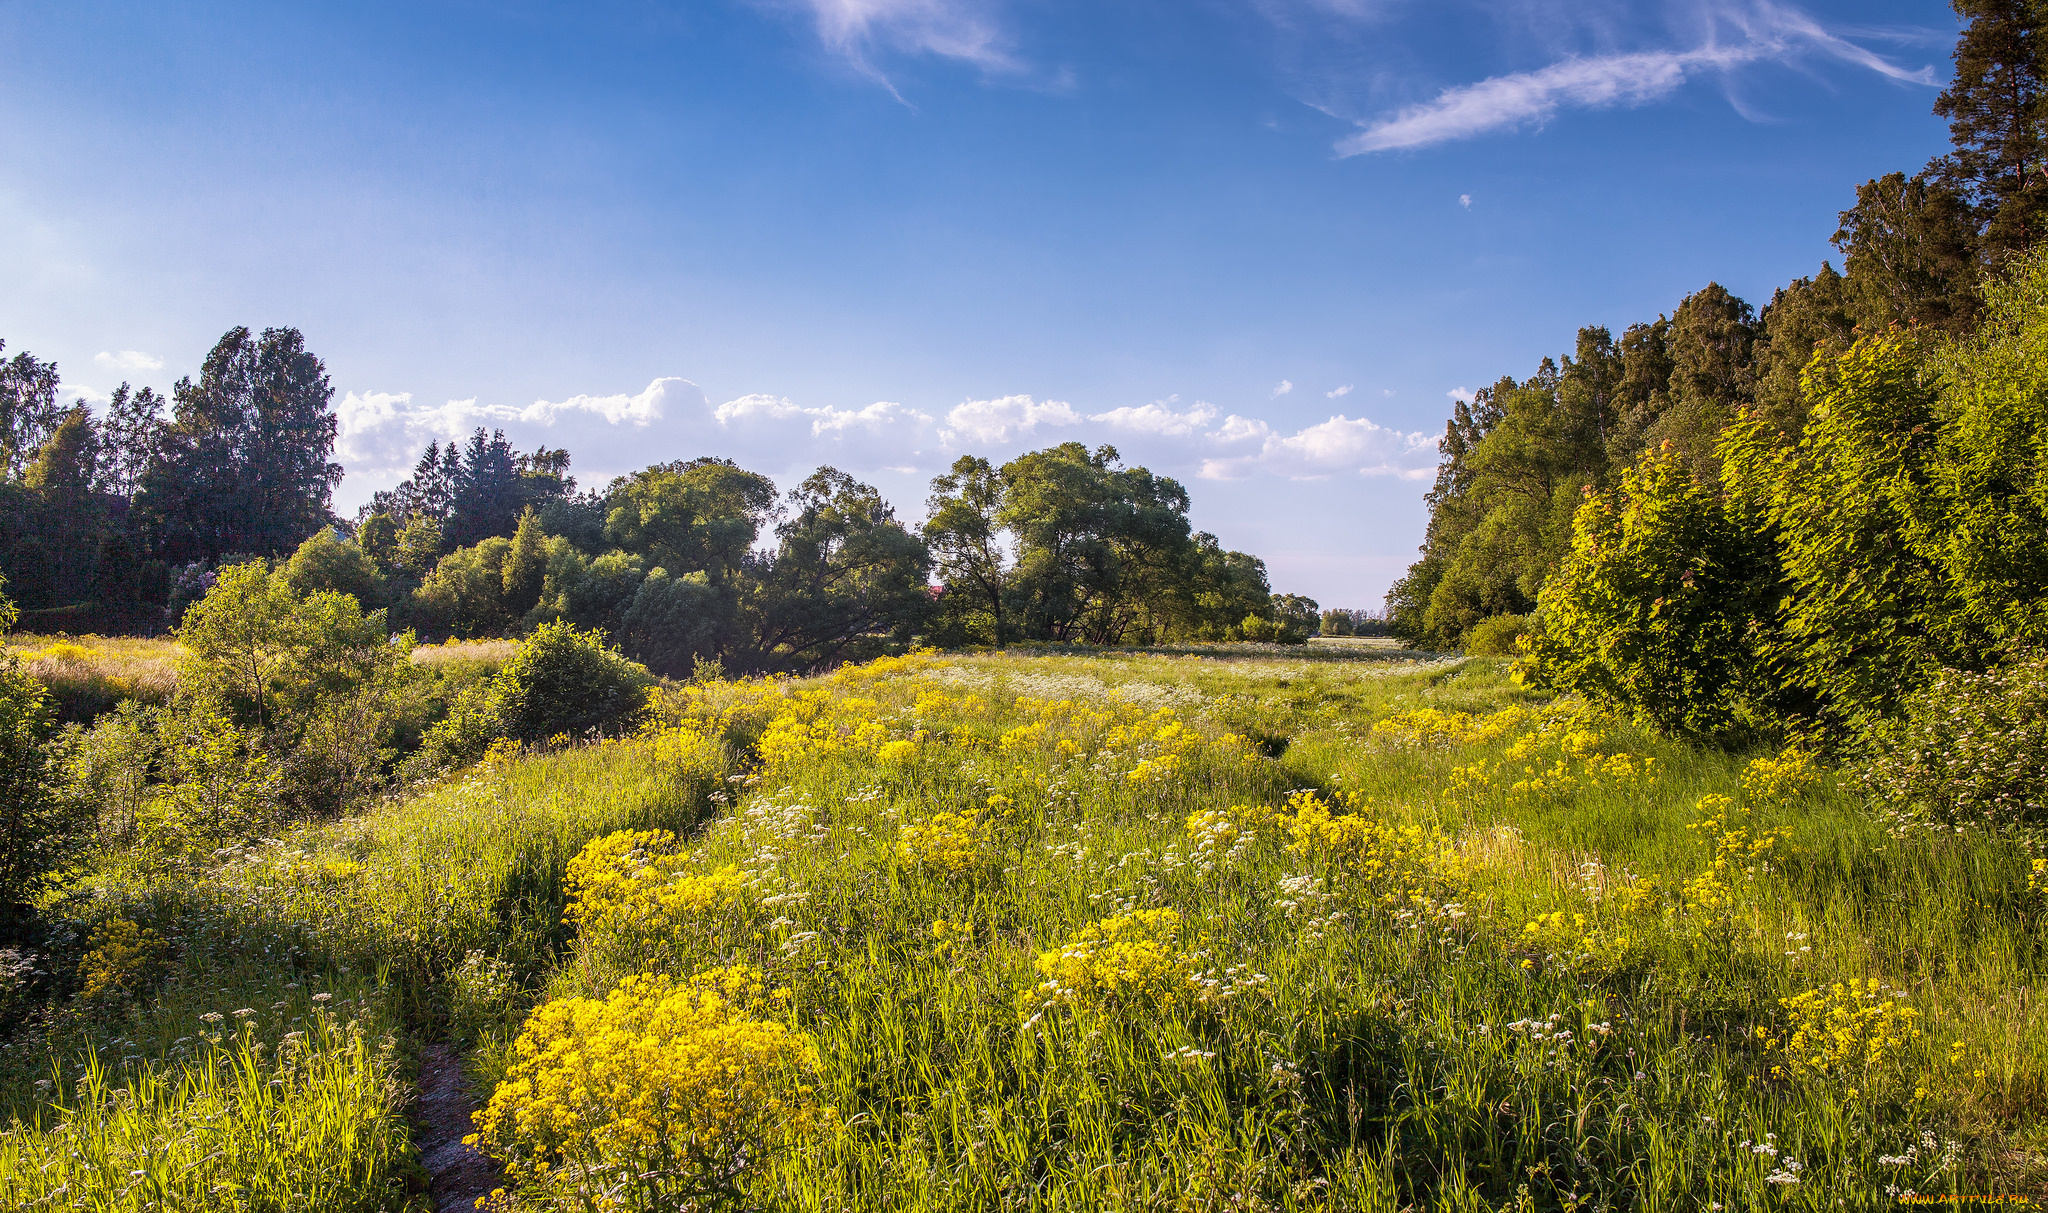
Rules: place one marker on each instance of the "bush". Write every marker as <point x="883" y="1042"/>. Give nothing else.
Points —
<point x="39" y="829"/>
<point x="562" y="681"/>
<point x="1972" y="752"/>
<point x="330" y="562"/>
<point x="1495" y="635"/>
<point x="1651" y="613"/>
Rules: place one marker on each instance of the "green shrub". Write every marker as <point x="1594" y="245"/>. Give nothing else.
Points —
<point x="1651" y="612"/>
<point x="328" y="561"/>
<point x="1495" y="635"/>
<point x="562" y="681"/>
<point x="1972" y="751"/>
<point x="39" y="829"/>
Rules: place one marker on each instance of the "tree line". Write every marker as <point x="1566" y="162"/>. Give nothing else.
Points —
<point x="1825" y="521"/>
<point x="1520" y="457"/>
<point x="118" y="522"/>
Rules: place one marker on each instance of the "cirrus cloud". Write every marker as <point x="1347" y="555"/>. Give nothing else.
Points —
<point x="1763" y="32"/>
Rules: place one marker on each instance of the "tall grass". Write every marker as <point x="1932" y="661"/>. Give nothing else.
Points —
<point x="312" y="1123"/>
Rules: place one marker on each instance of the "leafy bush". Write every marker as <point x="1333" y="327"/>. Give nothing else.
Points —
<point x="1651" y="612"/>
<point x="330" y="562"/>
<point x="271" y="656"/>
<point x="1972" y="751"/>
<point x="39" y="829"/>
<point x="1495" y="635"/>
<point x="562" y="681"/>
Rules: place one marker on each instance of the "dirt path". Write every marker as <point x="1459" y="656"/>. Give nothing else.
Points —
<point x="461" y="1174"/>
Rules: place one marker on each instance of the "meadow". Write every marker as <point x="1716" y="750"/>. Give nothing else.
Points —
<point x="1246" y="928"/>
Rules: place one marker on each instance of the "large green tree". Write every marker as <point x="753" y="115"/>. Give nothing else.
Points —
<point x="244" y="464"/>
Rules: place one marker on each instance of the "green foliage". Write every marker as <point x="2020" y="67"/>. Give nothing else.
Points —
<point x="562" y="681"/>
<point x="39" y="829"/>
<point x="1337" y="623"/>
<point x="465" y="594"/>
<point x="317" y="1126"/>
<point x="525" y="566"/>
<point x="1652" y="613"/>
<point x="673" y="622"/>
<point x="243" y="465"/>
<point x="1495" y="635"/>
<point x="1296" y="617"/>
<point x="1988" y="526"/>
<point x="218" y="787"/>
<point x="697" y="515"/>
<point x="269" y="655"/>
<point x="331" y="562"/>
<point x="964" y="531"/>
<point x="844" y="572"/>
<point x="1971" y="751"/>
<point x="1864" y="612"/>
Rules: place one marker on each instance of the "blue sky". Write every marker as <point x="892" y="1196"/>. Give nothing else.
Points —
<point x="1256" y="244"/>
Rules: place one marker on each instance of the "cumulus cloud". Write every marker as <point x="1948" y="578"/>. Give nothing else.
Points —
<point x="128" y="360"/>
<point x="1336" y="392"/>
<point x="381" y="433"/>
<point x="1010" y="418"/>
<point x="824" y="420"/>
<point x="1158" y="417"/>
<point x="1762" y="33"/>
<point x="1465" y="200"/>
<point x="1456" y="393"/>
<point x="1339" y="446"/>
<point x="1282" y="388"/>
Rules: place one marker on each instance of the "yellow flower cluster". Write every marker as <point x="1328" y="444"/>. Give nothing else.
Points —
<point x="662" y="1095"/>
<point x="122" y="958"/>
<point x="1573" y="942"/>
<point x="1132" y="962"/>
<point x="717" y="709"/>
<point x="1781" y="780"/>
<point x="1560" y="756"/>
<point x="1398" y="863"/>
<point x="1847" y="1030"/>
<point x="1434" y="728"/>
<point x="1742" y="856"/>
<point x="816" y="723"/>
<point x="954" y="844"/>
<point x="639" y="886"/>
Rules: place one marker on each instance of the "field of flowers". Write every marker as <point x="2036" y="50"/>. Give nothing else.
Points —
<point x="1136" y="931"/>
<point x="1247" y="931"/>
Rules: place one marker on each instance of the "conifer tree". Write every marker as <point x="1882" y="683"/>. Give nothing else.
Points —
<point x="1996" y="107"/>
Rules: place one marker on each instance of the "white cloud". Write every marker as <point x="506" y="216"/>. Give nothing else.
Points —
<point x="129" y="360"/>
<point x="952" y="29"/>
<point x="1456" y="393"/>
<point x="1283" y="387"/>
<point x="1240" y="429"/>
<point x="1002" y="420"/>
<point x="824" y="420"/>
<point x="382" y="433"/>
<point x="1158" y="418"/>
<point x="1764" y="32"/>
<point x="1335" y="393"/>
<point x="1338" y="446"/>
<point x="1465" y="200"/>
